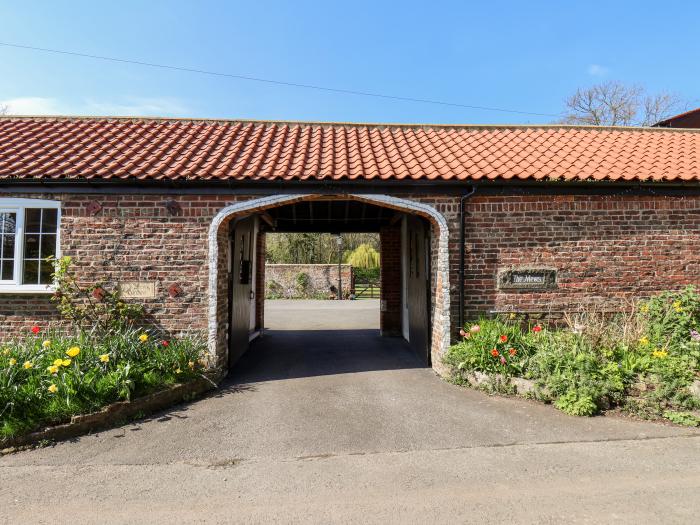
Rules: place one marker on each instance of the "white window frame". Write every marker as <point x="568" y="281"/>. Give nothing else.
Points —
<point x="19" y="206"/>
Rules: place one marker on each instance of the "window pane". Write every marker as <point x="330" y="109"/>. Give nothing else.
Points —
<point x="32" y="220"/>
<point x="8" y="246"/>
<point x="31" y="272"/>
<point x="31" y="246"/>
<point x="7" y="269"/>
<point x="46" y="269"/>
<point x="7" y="223"/>
<point x="49" y="221"/>
<point x="48" y="246"/>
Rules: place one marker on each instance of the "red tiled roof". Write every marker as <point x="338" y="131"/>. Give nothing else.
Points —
<point x="139" y="148"/>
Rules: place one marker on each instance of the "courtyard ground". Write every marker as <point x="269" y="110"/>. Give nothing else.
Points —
<point x="324" y="421"/>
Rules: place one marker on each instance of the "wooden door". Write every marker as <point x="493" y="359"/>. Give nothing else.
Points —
<point x="418" y="286"/>
<point x="241" y="286"/>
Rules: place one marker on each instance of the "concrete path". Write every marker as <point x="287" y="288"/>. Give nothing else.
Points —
<point x="339" y="425"/>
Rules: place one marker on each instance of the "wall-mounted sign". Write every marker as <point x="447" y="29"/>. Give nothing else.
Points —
<point x="527" y="279"/>
<point x="138" y="290"/>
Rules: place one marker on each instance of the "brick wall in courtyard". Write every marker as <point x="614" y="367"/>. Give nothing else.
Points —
<point x="282" y="281"/>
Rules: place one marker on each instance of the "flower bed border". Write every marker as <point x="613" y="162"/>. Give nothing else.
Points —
<point x="529" y="389"/>
<point x="117" y="413"/>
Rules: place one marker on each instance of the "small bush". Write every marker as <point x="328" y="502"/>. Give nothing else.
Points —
<point x="643" y="361"/>
<point x="274" y="290"/>
<point x="303" y="283"/>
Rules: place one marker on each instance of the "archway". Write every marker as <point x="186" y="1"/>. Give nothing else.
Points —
<point x="440" y="293"/>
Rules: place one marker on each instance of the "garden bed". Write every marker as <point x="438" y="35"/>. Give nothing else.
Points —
<point x="113" y="415"/>
<point x="52" y="378"/>
<point x="645" y="362"/>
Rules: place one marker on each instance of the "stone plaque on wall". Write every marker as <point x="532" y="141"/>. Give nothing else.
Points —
<point x="137" y="290"/>
<point x="527" y="279"/>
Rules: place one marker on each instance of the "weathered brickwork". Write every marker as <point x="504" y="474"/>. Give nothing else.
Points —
<point x="606" y="250"/>
<point x="283" y="279"/>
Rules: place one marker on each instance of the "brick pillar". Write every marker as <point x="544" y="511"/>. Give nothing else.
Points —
<point x="260" y="281"/>
<point x="390" y="252"/>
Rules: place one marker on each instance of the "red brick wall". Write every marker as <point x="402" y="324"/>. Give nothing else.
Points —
<point x="390" y="272"/>
<point x="132" y="238"/>
<point x="607" y="250"/>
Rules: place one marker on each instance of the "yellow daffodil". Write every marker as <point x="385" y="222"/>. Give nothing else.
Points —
<point x="512" y="315"/>
<point x="659" y="354"/>
<point x="143" y="338"/>
<point x="57" y="362"/>
<point x="46" y="344"/>
<point x="73" y="351"/>
<point x="65" y="362"/>
<point x="13" y="361"/>
<point x="190" y="364"/>
<point x="6" y="351"/>
<point x="178" y="371"/>
<point x="644" y="309"/>
<point x="53" y="388"/>
<point x="28" y="365"/>
<point x="53" y="369"/>
<point x="644" y="341"/>
<point x="104" y="358"/>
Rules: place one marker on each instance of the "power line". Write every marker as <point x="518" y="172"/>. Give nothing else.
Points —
<point x="276" y="82"/>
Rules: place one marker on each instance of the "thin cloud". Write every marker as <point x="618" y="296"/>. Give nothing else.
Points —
<point x="127" y="106"/>
<point x="597" y="70"/>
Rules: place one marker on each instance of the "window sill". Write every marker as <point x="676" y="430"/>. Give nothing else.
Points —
<point x="13" y="289"/>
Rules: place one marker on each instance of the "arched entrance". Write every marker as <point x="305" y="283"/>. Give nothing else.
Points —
<point x="438" y="265"/>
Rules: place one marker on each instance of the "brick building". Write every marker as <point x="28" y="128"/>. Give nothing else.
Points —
<point x="175" y="212"/>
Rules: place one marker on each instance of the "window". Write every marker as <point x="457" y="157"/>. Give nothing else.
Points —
<point x="29" y="231"/>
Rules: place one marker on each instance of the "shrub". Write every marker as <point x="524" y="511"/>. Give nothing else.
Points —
<point x="274" y="290"/>
<point x="643" y="360"/>
<point x="303" y="283"/>
<point x="95" y="306"/>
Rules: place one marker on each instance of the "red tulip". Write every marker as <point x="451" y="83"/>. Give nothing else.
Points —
<point x="35" y="330"/>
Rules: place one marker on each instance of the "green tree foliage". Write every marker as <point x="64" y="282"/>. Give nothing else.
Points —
<point x="364" y="256"/>
<point x="313" y="248"/>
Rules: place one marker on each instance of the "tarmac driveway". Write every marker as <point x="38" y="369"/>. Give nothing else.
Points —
<point x="337" y="424"/>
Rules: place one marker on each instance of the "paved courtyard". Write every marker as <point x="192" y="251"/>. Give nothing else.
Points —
<point x="324" y="421"/>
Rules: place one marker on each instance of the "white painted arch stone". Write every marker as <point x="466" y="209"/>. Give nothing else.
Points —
<point x="441" y="313"/>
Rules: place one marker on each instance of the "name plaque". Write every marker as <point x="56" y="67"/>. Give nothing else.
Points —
<point x="137" y="290"/>
<point x="527" y="279"/>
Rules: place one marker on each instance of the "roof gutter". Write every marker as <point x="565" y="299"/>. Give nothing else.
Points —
<point x="462" y="226"/>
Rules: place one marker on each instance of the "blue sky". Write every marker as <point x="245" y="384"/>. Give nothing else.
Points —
<point x="526" y="56"/>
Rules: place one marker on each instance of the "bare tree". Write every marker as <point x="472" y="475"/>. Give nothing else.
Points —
<point x="615" y="104"/>
<point x="3" y="109"/>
